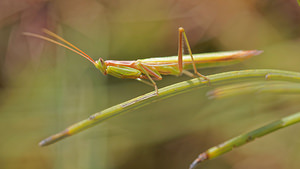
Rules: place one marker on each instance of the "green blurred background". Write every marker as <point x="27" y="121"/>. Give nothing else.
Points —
<point x="45" y="88"/>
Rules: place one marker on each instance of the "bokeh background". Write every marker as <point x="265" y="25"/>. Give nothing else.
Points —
<point x="45" y="88"/>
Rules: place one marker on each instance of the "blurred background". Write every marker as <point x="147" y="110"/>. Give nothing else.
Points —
<point x="45" y="88"/>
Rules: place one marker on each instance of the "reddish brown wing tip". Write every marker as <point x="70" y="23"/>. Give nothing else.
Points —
<point x="253" y="52"/>
<point x="247" y="53"/>
<point x="256" y="52"/>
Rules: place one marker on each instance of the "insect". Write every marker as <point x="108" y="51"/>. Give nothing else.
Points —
<point x="152" y="69"/>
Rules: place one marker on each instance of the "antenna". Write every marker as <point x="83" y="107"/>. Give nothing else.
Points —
<point x="70" y="47"/>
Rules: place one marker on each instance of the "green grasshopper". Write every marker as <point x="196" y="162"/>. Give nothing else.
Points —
<point x="153" y="68"/>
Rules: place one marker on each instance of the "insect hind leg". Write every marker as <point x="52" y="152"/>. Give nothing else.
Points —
<point x="182" y="34"/>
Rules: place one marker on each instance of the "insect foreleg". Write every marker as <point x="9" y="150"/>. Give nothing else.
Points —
<point x="144" y="81"/>
<point x="148" y="71"/>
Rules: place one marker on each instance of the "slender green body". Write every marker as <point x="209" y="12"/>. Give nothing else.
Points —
<point x="169" y="65"/>
<point x="203" y="60"/>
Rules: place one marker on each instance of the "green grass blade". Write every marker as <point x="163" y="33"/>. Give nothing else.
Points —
<point x="254" y="87"/>
<point x="172" y="90"/>
<point x="245" y="138"/>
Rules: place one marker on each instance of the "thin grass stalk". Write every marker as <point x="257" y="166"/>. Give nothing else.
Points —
<point x="254" y="87"/>
<point x="172" y="90"/>
<point x="240" y="140"/>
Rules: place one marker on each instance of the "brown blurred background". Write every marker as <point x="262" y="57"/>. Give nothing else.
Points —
<point x="45" y="88"/>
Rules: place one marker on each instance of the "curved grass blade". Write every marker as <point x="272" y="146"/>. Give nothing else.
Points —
<point x="254" y="87"/>
<point x="245" y="138"/>
<point x="172" y="90"/>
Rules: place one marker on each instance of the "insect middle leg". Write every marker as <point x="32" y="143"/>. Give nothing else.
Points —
<point x="182" y="34"/>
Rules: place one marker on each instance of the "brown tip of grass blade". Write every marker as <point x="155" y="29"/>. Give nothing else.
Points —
<point x="54" y="138"/>
<point x="217" y="93"/>
<point x="213" y="94"/>
<point x="201" y="157"/>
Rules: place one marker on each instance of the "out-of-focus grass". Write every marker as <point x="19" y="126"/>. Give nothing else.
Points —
<point x="45" y="89"/>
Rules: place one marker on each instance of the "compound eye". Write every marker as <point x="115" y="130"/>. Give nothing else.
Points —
<point x="102" y="61"/>
<point x="101" y="65"/>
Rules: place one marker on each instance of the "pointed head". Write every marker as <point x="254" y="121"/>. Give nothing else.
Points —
<point x="100" y="64"/>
